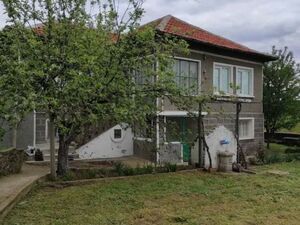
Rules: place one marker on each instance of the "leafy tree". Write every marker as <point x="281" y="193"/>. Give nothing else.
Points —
<point x="281" y="92"/>
<point x="85" y="55"/>
<point x="16" y="96"/>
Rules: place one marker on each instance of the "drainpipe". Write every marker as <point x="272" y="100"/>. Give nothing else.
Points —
<point x="34" y="128"/>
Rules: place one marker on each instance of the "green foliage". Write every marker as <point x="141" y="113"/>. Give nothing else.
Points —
<point x="171" y="167"/>
<point x="86" y="75"/>
<point x="124" y="170"/>
<point x="278" y="153"/>
<point x="281" y="91"/>
<point x="16" y="96"/>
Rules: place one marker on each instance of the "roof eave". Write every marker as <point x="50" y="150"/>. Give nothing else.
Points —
<point x="257" y="56"/>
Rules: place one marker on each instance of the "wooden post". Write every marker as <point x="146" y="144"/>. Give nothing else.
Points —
<point x="52" y="148"/>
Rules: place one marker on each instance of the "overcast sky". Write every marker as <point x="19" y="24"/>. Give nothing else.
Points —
<point x="258" y="24"/>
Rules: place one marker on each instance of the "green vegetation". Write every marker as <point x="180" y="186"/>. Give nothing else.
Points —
<point x="279" y="153"/>
<point x="295" y="129"/>
<point x="177" y="198"/>
<point x="281" y="92"/>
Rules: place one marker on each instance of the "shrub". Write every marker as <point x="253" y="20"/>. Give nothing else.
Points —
<point x="274" y="157"/>
<point x="119" y="167"/>
<point x="171" y="167"/>
<point x="292" y="150"/>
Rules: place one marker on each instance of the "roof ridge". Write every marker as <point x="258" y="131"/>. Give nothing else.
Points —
<point x="208" y="32"/>
<point x="159" y="20"/>
<point x="164" y="22"/>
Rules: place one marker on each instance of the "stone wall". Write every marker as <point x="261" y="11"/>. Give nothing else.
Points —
<point x="11" y="161"/>
<point x="144" y="149"/>
<point x="171" y="153"/>
<point x="251" y="146"/>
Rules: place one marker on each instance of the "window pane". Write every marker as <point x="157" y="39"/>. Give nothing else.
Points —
<point x="224" y="80"/>
<point x="221" y="78"/>
<point x="216" y="82"/>
<point x="184" y="68"/>
<point x="193" y="69"/>
<point x="244" y="81"/>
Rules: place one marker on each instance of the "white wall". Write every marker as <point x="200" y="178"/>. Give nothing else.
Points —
<point x="105" y="146"/>
<point x="213" y="142"/>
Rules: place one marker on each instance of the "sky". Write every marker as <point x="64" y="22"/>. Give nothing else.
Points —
<point x="258" y="24"/>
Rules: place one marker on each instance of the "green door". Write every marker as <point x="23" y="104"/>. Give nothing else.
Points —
<point x="184" y="137"/>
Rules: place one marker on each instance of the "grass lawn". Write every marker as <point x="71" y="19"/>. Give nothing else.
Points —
<point x="177" y="198"/>
<point x="278" y="147"/>
<point x="296" y="129"/>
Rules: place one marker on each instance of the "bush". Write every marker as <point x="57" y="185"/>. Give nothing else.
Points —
<point x="171" y="167"/>
<point x="124" y="170"/>
<point x="292" y="150"/>
<point x="274" y="157"/>
<point x="269" y="157"/>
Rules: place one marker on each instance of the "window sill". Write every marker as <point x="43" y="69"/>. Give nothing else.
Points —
<point x="246" y="138"/>
<point x="245" y="96"/>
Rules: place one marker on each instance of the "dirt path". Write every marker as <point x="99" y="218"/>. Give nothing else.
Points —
<point x="12" y="187"/>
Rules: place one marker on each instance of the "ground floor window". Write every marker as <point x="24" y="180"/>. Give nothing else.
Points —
<point x="246" y="128"/>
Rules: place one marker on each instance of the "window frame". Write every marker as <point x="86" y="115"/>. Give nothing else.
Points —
<point x="252" y="128"/>
<point x="252" y="81"/>
<point x="231" y="80"/>
<point x="116" y="132"/>
<point x="199" y="71"/>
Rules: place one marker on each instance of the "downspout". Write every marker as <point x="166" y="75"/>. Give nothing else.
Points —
<point x="34" y="128"/>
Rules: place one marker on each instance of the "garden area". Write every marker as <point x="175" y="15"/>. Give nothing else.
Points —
<point x="171" y="198"/>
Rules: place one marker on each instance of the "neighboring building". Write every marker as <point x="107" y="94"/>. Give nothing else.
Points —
<point x="214" y="64"/>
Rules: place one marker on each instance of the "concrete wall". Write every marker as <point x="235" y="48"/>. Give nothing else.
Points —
<point x="171" y="153"/>
<point x="215" y="147"/>
<point x="106" y="146"/>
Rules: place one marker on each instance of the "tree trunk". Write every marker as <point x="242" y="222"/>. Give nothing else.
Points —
<point x="52" y="148"/>
<point x="63" y="150"/>
<point x="200" y="152"/>
<point x="14" y="136"/>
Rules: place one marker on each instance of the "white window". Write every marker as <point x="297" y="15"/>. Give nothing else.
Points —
<point x="244" y="81"/>
<point x="186" y="75"/>
<point x="246" y="128"/>
<point x="222" y="79"/>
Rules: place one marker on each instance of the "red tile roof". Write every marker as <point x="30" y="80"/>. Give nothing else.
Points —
<point x="172" y="25"/>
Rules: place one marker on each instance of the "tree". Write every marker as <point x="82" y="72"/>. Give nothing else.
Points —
<point x="15" y="91"/>
<point x="281" y="92"/>
<point x="83" y="64"/>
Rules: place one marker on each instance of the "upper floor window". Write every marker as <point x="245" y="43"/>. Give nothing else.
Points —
<point x="244" y="81"/>
<point x="222" y="78"/>
<point x="186" y="75"/>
